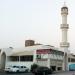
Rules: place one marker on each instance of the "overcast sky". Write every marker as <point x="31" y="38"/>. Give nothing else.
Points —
<point x="38" y="20"/>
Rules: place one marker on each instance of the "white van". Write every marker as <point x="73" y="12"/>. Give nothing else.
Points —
<point x="16" y="69"/>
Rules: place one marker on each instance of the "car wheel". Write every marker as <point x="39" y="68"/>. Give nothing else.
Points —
<point x="26" y="70"/>
<point x="17" y="71"/>
<point x="6" y="71"/>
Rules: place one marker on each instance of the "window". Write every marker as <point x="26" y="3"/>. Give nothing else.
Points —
<point x="68" y="59"/>
<point x="26" y="58"/>
<point x="72" y="60"/>
<point x="39" y="56"/>
<point x="14" y="58"/>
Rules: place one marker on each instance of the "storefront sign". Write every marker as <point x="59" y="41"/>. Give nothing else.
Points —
<point x="43" y="51"/>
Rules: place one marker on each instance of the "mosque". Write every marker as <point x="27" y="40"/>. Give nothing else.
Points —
<point x="59" y="59"/>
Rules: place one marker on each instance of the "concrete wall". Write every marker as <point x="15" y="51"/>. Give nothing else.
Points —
<point x="27" y="64"/>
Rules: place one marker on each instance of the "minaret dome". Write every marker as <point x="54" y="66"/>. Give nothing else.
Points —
<point x="64" y="9"/>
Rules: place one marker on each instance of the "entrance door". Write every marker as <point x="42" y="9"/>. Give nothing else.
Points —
<point x="59" y="68"/>
<point x="53" y="68"/>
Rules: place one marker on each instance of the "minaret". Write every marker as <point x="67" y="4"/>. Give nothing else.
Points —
<point x="64" y="28"/>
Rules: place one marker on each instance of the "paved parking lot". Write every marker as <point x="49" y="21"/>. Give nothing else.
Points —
<point x="59" y="73"/>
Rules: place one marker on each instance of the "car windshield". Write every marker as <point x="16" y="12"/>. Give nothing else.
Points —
<point x="23" y="66"/>
<point x="15" y="66"/>
<point x="19" y="66"/>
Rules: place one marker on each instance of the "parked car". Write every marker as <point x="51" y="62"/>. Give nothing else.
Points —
<point x="42" y="71"/>
<point x="16" y="69"/>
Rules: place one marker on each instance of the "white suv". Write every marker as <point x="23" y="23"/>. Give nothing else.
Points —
<point x="16" y="69"/>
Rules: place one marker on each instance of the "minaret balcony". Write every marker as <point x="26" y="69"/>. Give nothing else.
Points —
<point x="64" y="26"/>
<point x="64" y="44"/>
<point x="64" y="11"/>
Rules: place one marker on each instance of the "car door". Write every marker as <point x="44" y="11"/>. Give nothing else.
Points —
<point x="22" y="68"/>
<point x="25" y="68"/>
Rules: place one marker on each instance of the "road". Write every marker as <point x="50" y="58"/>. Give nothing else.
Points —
<point x="16" y="73"/>
<point x="65" y="73"/>
<point x="59" y="73"/>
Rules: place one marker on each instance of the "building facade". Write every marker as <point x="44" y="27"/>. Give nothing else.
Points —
<point x="42" y="55"/>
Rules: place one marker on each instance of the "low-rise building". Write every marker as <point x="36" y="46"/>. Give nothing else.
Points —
<point x="43" y="55"/>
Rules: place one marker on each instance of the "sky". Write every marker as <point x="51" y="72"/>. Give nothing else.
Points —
<point x="37" y="20"/>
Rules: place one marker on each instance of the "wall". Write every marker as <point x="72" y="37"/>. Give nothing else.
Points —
<point x="27" y="64"/>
